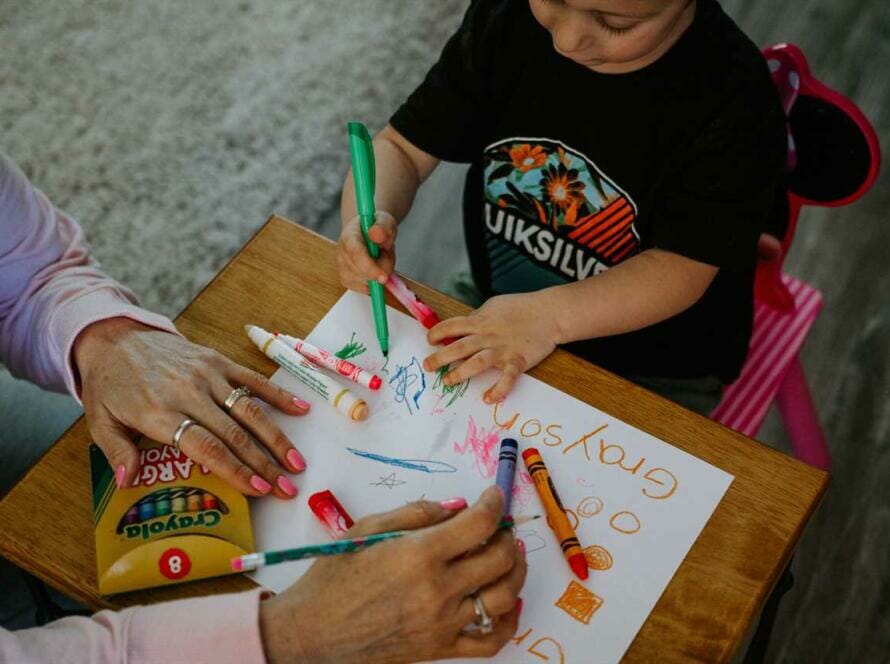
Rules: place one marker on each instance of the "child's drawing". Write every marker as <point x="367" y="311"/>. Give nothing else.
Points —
<point x="484" y="446"/>
<point x="598" y="557"/>
<point x="579" y="602"/>
<point x="408" y="384"/>
<point x="390" y="481"/>
<point x="448" y="394"/>
<point x="532" y="540"/>
<point x="423" y="465"/>
<point x="636" y="503"/>
<point x="352" y="349"/>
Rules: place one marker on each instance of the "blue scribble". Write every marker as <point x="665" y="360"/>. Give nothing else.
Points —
<point x="423" y="465"/>
<point x="404" y="377"/>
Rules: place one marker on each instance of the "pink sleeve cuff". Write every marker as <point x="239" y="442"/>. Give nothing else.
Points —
<point x="222" y="629"/>
<point x="72" y="317"/>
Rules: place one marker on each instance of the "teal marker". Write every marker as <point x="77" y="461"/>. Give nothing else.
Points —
<point x="362" y="153"/>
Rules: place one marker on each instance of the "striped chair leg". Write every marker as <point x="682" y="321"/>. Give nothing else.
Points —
<point x="801" y="420"/>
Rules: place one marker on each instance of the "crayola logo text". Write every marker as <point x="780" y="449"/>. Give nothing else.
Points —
<point x="146" y="530"/>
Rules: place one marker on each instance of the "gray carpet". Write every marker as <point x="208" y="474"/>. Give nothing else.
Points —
<point x="172" y="130"/>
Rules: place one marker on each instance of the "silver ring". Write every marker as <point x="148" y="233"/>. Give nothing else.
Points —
<point x="234" y="395"/>
<point x="185" y="424"/>
<point x="483" y="620"/>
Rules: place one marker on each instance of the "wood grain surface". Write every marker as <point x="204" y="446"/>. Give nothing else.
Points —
<point x="285" y="278"/>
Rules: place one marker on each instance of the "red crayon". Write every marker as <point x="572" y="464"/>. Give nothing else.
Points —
<point x="331" y="513"/>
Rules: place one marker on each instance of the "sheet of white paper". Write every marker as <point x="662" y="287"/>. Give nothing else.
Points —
<point x="639" y="503"/>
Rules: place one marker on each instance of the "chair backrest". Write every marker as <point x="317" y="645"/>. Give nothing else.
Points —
<point x="833" y="156"/>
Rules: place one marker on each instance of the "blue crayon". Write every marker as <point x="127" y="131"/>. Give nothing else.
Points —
<point x="507" y="470"/>
<point x="146" y="509"/>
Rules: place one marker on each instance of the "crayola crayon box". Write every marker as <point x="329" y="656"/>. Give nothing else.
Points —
<point x="176" y="523"/>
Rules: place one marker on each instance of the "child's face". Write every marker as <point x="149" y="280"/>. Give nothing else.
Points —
<point x="614" y="36"/>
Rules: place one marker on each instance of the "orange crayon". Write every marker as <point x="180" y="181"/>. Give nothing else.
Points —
<point x="556" y="514"/>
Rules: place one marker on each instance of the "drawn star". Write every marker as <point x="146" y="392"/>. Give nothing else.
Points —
<point x="389" y="481"/>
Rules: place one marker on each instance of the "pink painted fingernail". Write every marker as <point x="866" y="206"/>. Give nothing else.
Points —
<point x="519" y="604"/>
<point x="299" y="403"/>
<point x="296" y="461"/>
<point x="260" y="484"/>
<point x="119" y="475"/>
<point x="521" y="546"/>
<point x="454" y="504"/>
<point x="287" y="486"/>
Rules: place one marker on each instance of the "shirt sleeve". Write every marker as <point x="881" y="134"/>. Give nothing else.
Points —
<point x="50" y="286"/>
<point x="719" y="195"/>
<point x="223" y="629"/>
<point x="445" y="116"/>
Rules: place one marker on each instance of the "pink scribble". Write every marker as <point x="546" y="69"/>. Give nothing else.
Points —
<point x="484" y="445"/>
<point x="437" y="407"/>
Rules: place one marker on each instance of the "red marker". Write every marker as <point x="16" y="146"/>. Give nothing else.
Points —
<point x="330" y="512"/>
<point x="327" y="359"/>
<point x="415" y="306"/>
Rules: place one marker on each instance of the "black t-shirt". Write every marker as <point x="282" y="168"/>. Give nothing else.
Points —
<point x="573" y="171"/>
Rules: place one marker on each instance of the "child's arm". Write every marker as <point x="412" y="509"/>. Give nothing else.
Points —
<point x="400" y="168"/>
<point x="516" y="332"/>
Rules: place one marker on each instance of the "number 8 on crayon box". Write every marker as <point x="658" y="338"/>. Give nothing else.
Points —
<point x="176" y="523"/>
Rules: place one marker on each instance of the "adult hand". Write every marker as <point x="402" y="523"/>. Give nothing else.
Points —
<point x="508" y="332"/>
<point x="407" y="599"/>
<point x="137" y="378"/>
<point x="355" y="265"/>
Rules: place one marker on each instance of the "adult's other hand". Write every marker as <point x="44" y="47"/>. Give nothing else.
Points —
<point x="138" y="379"/>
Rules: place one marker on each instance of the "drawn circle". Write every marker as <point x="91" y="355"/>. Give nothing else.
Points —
<point x="627" y="529"/>
<point x="597" y="557"/>
<point x="175" y="564"/>
<point x="531" y="435"/>
<point x="573" y="519"/>
<point x="590" y="506"/>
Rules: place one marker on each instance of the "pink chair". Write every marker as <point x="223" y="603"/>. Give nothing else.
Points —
<point x="833" y="159"/>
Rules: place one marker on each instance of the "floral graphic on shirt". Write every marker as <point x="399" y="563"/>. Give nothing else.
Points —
<point x="551" y="215"/>
<point x="525" y="157"/>
<point x="562" y="187"/>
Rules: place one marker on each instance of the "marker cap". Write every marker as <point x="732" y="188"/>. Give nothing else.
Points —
<point x="330" y="512"/>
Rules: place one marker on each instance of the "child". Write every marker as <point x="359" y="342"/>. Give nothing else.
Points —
<point x="625" y="156"/>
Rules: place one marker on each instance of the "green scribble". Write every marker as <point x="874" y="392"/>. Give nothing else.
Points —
<point x="383" y="369"/>
<point x="352" y="349"/>
<point x="450" y="392"/>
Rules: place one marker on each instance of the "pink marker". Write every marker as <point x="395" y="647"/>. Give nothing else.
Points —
<point x="412" y="302"/>
<point x="330" y="512"/>
<point x="330" y="361"/>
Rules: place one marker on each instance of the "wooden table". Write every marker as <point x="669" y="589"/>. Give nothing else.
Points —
<point x="285" y="277"/>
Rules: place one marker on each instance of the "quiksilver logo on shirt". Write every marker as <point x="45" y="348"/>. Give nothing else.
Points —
<point x="550" y="213"/>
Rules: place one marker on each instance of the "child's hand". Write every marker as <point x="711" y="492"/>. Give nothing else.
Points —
<point x="353" y="260"/>
<point x="510" y="332"/>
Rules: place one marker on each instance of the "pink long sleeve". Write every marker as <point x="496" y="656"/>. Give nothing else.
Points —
<point x="223" y="629"/>
<point x="50" y="286"/>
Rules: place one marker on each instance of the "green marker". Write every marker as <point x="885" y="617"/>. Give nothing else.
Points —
<point x="362" y="153"/>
